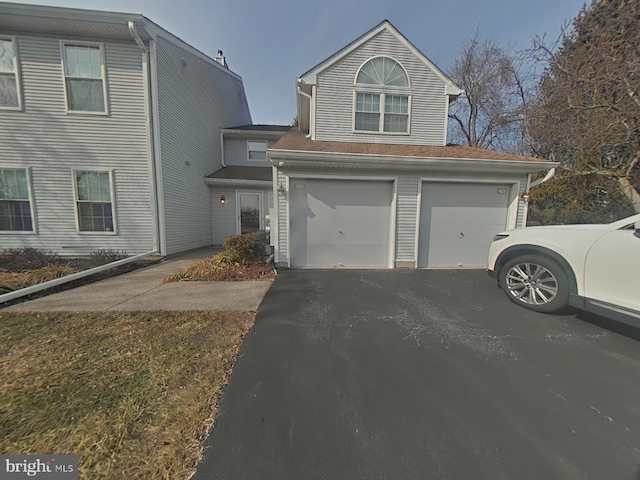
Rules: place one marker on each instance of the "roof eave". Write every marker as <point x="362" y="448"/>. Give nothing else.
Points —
<point x="237" y="181"/>
<point x="289" y="157"/>
<point x="64" y="13"/>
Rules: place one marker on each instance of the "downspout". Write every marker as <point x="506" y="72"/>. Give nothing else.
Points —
<point x="149" y="134"/>
<point x="222" y="148"/>
<point x="311" y="112"/>
<point x="547" y="177"/>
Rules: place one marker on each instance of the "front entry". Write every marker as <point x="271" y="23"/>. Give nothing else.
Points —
<point x="249" y="216"/>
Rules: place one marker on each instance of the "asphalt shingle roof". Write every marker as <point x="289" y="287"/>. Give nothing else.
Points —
<point x="297" y="141"/>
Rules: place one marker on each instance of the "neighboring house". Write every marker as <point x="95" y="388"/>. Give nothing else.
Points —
<point x="368" y="180"/>
<point x="109" y="125"/>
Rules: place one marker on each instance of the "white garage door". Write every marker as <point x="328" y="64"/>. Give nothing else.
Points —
<point x="458" y="222"/>
<point x="340" y="222"/>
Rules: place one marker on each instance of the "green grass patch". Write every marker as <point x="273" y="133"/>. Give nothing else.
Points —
<point x="133" y="394"/>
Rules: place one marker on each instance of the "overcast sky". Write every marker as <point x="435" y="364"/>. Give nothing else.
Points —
<point x="271" y="42"/>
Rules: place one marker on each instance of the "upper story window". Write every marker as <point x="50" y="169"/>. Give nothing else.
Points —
<point x="10" y="97"/>
<point x="16" y="213"/>
<point x="256" y="151"/>
<point x="382" y="102"/>
<point x="84" y="81"/>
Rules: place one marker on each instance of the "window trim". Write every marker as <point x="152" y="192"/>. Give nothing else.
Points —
<point x="32" y="207"/>
<point x="103" y="70"/>
<point x="16" y="72"/>
<point x="355" y="83"/>
<point x="266" y="143"/>
<point x="111" y="195"/>
<point x="380" y="130"/>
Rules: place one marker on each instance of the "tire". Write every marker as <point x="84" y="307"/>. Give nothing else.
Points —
<point x="535" y="282"/>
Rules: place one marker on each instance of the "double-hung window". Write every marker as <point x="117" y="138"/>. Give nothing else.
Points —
<point x="94" y="201"/>
<point x="84" y="78"/>
<point x="10" y="98"/>
<point x="256" y="151"/>
<point x="15" y="200"/>
<point x="382" y="102"/>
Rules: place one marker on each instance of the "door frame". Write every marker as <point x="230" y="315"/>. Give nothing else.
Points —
<point x="512" y="206"/>
<point x="319" y="176"/>
<point x="238" y="206"/>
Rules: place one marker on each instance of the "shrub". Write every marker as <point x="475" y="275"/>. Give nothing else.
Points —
<point x="44" y="274"/>
<point x="107" y="255"/>
<point x="247" y="248"/>
<point x="23" y="259"/>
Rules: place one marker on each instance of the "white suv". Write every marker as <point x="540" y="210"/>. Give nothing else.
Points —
<point x="590" y="267"/>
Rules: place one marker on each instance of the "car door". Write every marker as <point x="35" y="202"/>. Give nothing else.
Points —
<point x="612" y="269"/>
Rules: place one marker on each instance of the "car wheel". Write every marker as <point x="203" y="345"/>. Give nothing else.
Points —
<point x="535" y="282"/>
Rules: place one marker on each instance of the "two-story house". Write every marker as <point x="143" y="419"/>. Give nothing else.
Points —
<point x="367" y="179"/>
<point x="109" y="125"/>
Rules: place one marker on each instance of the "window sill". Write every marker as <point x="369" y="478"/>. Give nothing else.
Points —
<point x="393" y="134"/>
<point x="12" y="109"/>
<point x="96" y="114"/>
<point x="18" y="232"/>
<point x="110" y="234"/>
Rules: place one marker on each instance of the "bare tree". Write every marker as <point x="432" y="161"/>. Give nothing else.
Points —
<point x="491" y="112"/>
<point x="587" y="111"/>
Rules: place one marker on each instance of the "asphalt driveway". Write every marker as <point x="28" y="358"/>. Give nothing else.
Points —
<point x="427" y="375"/>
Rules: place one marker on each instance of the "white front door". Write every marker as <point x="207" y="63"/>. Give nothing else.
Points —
<point x="249" y="212"/>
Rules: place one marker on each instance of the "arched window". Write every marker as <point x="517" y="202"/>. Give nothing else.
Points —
<point x="383" y="71"/>
<point x="386" y="111"/>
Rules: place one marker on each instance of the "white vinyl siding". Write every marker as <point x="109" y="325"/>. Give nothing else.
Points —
<point x="10" y="91"/>
<point x="236" y="152"/>
<point x="84" y="77"/>
<point x="95" y="210"/>
<point x="16" y="203"/>
<point x="196" y="99"/>
<point x="51" y="143"/>
<point x="334" y="102"/>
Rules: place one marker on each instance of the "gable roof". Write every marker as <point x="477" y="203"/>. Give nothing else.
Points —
<point x="295" y="141"/>
<point x="310" y="76"/>
<point x="79" y="22"/>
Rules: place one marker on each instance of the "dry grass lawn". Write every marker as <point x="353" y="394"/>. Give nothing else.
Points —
<point x="133" y="394"/>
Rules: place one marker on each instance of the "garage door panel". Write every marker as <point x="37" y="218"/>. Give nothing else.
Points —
<point x="340" y="222"/>
<point x="458" y="222"/>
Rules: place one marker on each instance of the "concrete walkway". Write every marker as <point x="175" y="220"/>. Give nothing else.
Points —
<point x="143" y="290"/>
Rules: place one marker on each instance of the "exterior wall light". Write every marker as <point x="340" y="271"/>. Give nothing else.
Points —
<point x="281" y="190"/>
<point x="223" y="200"/>
<point x="525" y="196"/>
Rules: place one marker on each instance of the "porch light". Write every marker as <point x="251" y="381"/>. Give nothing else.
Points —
<point x="525" y="196"/>
<point x="281" y="190"/>
<point x="223" y="200"/>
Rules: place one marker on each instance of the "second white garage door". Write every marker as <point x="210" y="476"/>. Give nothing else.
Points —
<point x="340" y="222"/>
<point x="458" y="222"/>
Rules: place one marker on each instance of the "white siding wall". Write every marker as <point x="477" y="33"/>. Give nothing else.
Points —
<point x="407" y="206"/>
<point x="335" y="91"/>
<point x="195" y="101"/>
<point x="53" y="143"/>
<point x="282" y="245"/>
<point x="225" y="216"/>
<point x="235" y="152"/>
